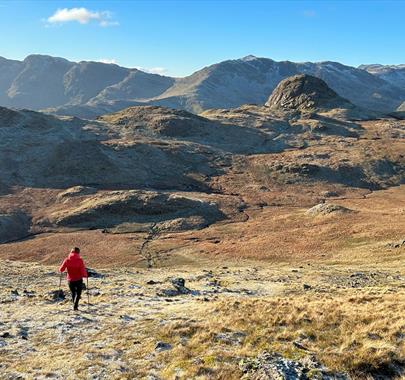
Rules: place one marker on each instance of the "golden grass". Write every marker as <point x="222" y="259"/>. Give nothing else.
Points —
<point x="350" y="326"/>
<point x="359" y="332"/>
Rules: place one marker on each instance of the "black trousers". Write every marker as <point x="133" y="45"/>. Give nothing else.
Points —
<point x="76" y="290"/>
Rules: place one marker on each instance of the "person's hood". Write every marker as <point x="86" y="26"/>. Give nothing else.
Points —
<point x="73" y="255"/>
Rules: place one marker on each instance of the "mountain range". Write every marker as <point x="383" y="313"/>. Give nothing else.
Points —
<point x="183" y="171"/>
<point x="248" y="241"/>
<point x="89" y="89"/>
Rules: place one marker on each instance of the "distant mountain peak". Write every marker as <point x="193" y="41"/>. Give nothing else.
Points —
<point x="249" y="58"/>
<point x="44" y="57"/>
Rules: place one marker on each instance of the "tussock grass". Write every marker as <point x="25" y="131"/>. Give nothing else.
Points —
<point x="358" y="329"/>
<point x="358" y="332"/>
<point x="355" y="330"/>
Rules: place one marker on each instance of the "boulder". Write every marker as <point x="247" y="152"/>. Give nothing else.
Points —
<point x="57" y="295"/>
<point x="179" y="283"/>
<point x="94" y="274"/>
<point x="179" y="289"/>
<point x="329" y="194"/>
<point x="272" y="366"/>
<point x="162" y="346"/>
<point x="326" y="209"/>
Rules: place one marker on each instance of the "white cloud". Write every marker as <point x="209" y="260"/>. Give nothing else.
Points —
<point x="82" y="16"/>
<point x="153" y="70"/>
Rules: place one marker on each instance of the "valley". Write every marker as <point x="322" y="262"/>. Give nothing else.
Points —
<point x="285" y="220"/>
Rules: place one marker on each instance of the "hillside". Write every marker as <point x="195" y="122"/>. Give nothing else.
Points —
<point x="90" y="89"/>
<point x="257" y="242"/>
<point x="62" y="173"/>
<point x="394" y="74"/>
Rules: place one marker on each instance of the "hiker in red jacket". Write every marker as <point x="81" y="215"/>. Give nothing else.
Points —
<point x="75" y="272"/>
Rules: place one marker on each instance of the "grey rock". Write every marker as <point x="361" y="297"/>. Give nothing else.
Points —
<point x="272" y="366"/>
<point x="396" y="244"/>
<point x="179" y="289"/>
<point x="300" y="345"/>
<point x="329" y="194"/>
<point x="23" y="333"/>
<point x="57" y="295"/>
<point x="126" y="318"/>
<point x="326" y="209"/>
<point x="230" y="337"/>
<point x="305" y="93"/>
<point x="162" y="346"/>
<point x="94" y="274"/>
<point x="179" y="283"/>
<point x="28" y="293"/>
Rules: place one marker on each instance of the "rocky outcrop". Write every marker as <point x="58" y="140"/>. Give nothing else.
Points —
<point x="172" y="124"/>
<point x="272" y="366"/>
<point x="326" y="209"/>
<point x="107" y="210"/>
<point x="305" y="93"/>
<point x="159" y="121"/>
<point x="179" y="289"/>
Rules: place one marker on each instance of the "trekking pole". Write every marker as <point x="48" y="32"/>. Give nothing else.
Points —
<point x="88" y="294"/>
<point x="60" y="284"/>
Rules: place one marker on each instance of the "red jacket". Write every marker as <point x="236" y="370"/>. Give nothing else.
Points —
<point x="75" y="267"/>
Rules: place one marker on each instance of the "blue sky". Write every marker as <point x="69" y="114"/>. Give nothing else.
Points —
<point x="179" y="37"/>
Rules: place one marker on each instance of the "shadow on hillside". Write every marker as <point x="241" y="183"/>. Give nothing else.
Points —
<point x="373" y="175"/>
